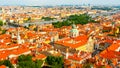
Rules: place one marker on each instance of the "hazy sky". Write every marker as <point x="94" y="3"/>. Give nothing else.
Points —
<point x="58" y="2"/>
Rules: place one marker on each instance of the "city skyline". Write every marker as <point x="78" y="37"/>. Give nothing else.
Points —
<point x="57" y="2"/>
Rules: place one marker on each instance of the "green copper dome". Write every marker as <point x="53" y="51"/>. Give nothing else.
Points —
<point x="73" y="26"/>
<point x="74" y="31"/>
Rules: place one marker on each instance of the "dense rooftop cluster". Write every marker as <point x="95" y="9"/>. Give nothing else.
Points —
<point x="75" y="46"/>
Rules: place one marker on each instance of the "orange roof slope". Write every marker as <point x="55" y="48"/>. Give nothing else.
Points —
<point x="79" y="41"/>
<point x="110" y="51"/>
<point x="40" y="56"/>
<point x="109" y="54"/>
<point x="3" y="66"/>
<point x="113" y="47"/>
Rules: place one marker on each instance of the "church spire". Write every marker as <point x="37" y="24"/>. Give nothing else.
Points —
<point x="18" y="37"/>
<point x="74" y="31"/>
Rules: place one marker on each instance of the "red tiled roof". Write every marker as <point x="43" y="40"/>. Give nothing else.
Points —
<point x="110" y="51"/>
<point x="79" y="41"/>
<point x="40" y="56"/>
<point x="108" y="66"/>
<point x="79" y="57"/>
<point x="17" y="51"/>
<point x="113" y="47"/>
<point x="11" y="29"/>
<point x="13" y="60"/>
<point x="75" y="57"/>
<point x="4" y="36"/>
<point x="3" y="66"/>
<point x="109" y="55"/>
<point x="4" y="54"/>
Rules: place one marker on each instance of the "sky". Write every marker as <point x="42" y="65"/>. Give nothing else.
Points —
<point x="58" y="2"/>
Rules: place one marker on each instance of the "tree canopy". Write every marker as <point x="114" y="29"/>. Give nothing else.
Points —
<point x="6" y="63"/>
<point x="1" y="23"/>
<point x="88" y="65"/>
<point x="4" y="31"/>
<point x="25" y="61"/>
<point x="55" y="62"/>
<point x="76" y="19"/>
<point x="47" y="18"/>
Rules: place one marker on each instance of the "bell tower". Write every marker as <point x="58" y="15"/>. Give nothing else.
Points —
<point x="18" y="37"/>
<point x="74" y="31"/>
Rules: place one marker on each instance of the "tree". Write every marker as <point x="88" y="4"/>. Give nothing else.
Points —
<point x="26" y="27"/>
<point x="26" y="64"/>
<point x="76" y="19"/>
<point x="1" y="23"/>
<point x="35" y="29"/>
<point x="25" y="61"/>
<point x="28" y="58"/>
<point x="4" y="31"/>
<point x="88" y="65"/>
<point x="24" y="58"/>
<point x="1" y="62"/>
<point x="29" y="18"/>
<point x="103" y="66"/>
<point x="8" y="63"/>
<point x="21" y="58"/>
<point x="47" y="18"/>
<point x="38" y="63"/>
<point x="55" y="62"/>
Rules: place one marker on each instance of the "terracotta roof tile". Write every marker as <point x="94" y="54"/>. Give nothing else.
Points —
<point x="40" y="56"/>
<point x="79" y="41"/>
<point x="3" y="66"/>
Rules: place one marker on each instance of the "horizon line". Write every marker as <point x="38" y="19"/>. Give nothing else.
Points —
<point x="66" y="5"/>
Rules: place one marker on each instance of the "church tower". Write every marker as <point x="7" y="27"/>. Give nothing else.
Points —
<point x="18" y="37"/>
<point x="74" y="31"/>
<point x="12" y="35"/>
